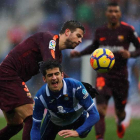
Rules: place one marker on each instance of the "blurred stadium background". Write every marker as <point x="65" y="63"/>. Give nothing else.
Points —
<point x="21" y="18"/>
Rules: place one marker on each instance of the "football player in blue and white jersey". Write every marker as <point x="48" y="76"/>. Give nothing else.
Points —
<point x="67" y="102"/>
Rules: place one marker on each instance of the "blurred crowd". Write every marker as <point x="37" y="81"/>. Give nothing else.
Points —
<point x="27" y="17"/>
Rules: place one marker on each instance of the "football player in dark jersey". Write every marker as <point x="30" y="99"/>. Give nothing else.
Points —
<point x="20" y="65"/>
<point x="116" y="36"/>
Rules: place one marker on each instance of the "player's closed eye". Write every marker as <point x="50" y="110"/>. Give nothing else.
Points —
<point x="79" y="36"/>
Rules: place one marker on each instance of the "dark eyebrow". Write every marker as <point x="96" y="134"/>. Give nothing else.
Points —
<point x="51" y="74"/>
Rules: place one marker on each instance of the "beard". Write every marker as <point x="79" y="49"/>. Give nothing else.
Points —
<point x="69" y="44"/>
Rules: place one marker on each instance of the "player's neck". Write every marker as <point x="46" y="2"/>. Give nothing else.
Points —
<point x="61" y="42"/>
<point x="113" y="26"/>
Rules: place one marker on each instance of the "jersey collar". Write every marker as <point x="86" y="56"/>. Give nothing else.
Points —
<point x="64" y="89"/>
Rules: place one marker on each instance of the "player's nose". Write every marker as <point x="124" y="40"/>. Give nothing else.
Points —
<point x="53" y="76"/>
<point x="80" y="40"/>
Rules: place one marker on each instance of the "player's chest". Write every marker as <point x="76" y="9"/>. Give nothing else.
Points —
<point x="62" y="104"/>
<point x="113" y="38"/>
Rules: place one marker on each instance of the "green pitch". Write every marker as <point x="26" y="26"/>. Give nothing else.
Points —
<point x="132" y="133"/>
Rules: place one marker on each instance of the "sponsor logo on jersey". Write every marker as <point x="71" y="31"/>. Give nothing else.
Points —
<point x="52" y="45"/>
<point x="85" y="96"/>
<point x="120" y="38"/>
<point x="112" y="48"/>
<point x="84" y="91"/>
<point x="61" y="109"/>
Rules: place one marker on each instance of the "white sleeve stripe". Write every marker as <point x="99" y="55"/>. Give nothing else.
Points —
<point x="36" y="120"/>
<point x="43" y="101"/>
<point x="47" y="91"/>
<point x="90" y="106"/>
<point x="64" y="88"/>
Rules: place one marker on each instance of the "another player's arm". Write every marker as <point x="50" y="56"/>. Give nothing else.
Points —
<point x="132" y="38"/>
<point x="37" y="118"/>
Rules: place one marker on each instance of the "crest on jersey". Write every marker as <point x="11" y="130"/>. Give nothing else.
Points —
<point x="66" y="97"/>
<point x="120" y="37"/>
<point x="52" y="45"/>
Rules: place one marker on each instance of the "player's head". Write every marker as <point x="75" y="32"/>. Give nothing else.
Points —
<point x="52" y="74"/>
<point x="72" y="32"/>
<point x="113" y="13"/>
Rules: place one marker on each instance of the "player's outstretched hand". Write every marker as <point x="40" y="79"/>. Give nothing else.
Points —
<point x="92" y="91"/>
<point x="74" y="53"/>
<point x="68" y="133"/>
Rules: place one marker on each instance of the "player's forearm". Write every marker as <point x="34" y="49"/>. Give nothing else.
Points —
<point x="35" y="131"/>
<point x="89" y="49"/>
<point x="90" y="121"/>
<point x="135" y="53"/>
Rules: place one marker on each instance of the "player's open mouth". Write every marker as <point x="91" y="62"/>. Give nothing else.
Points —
<point x="54" y="83"/>
<point x="113" y="19"/>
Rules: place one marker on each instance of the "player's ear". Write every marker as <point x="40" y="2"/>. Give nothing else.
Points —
<point x="62" y="74"/>
<point x="44" y="79"/>
<point x="67" y="32"/>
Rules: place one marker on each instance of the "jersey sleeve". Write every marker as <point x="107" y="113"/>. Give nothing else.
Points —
<point x="87" y="102"/>
<point x="83" y="97"/>
<point x="38" y="112"/>
<point x="133" y="37"/>
<point x="43" y="39"/>
<point x="90" y="121"/>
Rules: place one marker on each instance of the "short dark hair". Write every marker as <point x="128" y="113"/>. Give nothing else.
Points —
<point x="112" y="4"/>
<point x="72" y="25"/>
<point x="49" y="64"/>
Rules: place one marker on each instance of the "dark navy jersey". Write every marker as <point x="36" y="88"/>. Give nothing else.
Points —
<point x="115" y="40"/>
<point x="65" y="107"/>
<point x="23" y="60"/>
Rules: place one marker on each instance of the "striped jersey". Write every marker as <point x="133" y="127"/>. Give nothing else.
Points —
<point x="64" y="106"/>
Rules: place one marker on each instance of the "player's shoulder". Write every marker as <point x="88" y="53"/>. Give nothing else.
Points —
<point x="42" y="35"/>
<point x="72" y="82"/>
<point x="127" y="26"/>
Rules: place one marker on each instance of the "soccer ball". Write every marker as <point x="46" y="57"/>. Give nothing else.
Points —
<point x="102" y="60"/>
